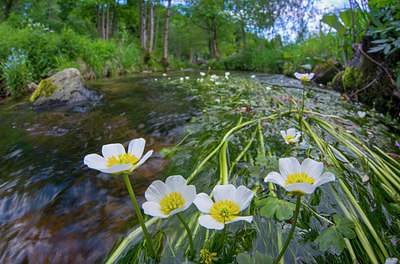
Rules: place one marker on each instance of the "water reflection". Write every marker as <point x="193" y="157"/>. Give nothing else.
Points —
<point x="53" y="208"/>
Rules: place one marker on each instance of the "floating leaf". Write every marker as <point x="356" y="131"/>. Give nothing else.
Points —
<point x="281" y="209"/>
<point x="334" y="235"/>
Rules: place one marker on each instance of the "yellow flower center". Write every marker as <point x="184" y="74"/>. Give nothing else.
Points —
<point x="126" y="158"/>
<point x="171" y="202"/>
<point x="206" y="256"/>
<point x="289" y="138"/>
<point x="224" y="211"/>
<point x="298" y="177"/>
<point x="305" y="78"/>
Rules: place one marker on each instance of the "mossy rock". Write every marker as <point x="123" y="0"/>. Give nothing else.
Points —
<point x="324" y="72"/>
<point x="337" y="82"/>
<point x="352" y="79"/>
<point x="45" y="89"/>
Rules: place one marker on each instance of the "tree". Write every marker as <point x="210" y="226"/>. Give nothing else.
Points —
<point x="165" y="48"/>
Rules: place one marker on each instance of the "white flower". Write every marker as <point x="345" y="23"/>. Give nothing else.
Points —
<point x="361" y="114"/>
<point x="202" y="73"/>
<point x="300" y="179"/>
<point x="169" y="198"/>
<point x="291" y="136"/>
<point x="164" y="74"/>
<point x="268" y="88"/>
<point x="201" y="79"/>
<point x="187" y="77"/>
<point x="229" y="201"/>
<point x="304" y="76"/>
<point x="227" y="75"/>
<point x="253" y="76"/>
<point x="115" y="160"/>
<point x="155" y="79"/>
<point x="181" y="79"/>
<point x="213" y="77"/>
<point x="218" y="101"/>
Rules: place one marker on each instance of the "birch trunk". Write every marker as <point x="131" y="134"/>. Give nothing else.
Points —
<point x="165" y="49"/>
<point x="143" y="33"/>
<point x="108" y="23"/>
<point x="102" y="23"/>
<point x="149" y="50"/>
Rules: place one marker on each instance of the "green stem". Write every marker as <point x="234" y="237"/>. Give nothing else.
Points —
<point x="139" y="215"/>
<point x="295" y="217"/>
<point x="189" y="233"/>
<point x="302" y="110"/>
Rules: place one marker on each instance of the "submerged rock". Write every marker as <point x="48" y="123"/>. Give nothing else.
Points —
<point x="64" y="87"/>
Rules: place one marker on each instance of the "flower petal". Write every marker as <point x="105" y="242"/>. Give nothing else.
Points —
<point x="210" y="223"/>
<point x="117" y="168"/>
<point x="203" y="202"/>
<point x="288" y="166"/>
<point x="112" y="150"/>
<point x="243" y="198"/>
<point x="156" y="191"/>
<point x="291" y="132"/>
<point x="224" y="193"/>
<point x="136" y="147"/>
<point x="326" y="177"/>
<point x="301" y="186"/>
<point x="298" y="75"/>
<point x="312" y="168"/>
<point x="175" y="183"/>
<point x="276" y="178"/>
<point x="95" y="161"/>
<point x="189" y="194"/>
<point x="283" y="133"/>
<point x="153" y="209"/>
<point x="248" y="219"/>
<point x="310" y="76"/>
<point x="142" y="160"/>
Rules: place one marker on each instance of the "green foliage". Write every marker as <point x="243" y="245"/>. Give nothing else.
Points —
<point x="45" y="88"/>
<point x="352" y="78"/>
<point x="17" y="72"/>
<point x="256" y="258"/>
<point x="334" y="235"/>
<point x="281" y="209"/>
<point x="385" y="30"/>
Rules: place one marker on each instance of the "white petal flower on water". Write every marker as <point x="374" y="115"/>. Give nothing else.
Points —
<point x="361" y="114"/>
<point x="226" y="207"/>
<point x="181" y="79"/>
<point x="304" y="76"/>
<point x="115" y="160"/>
<point x="169" y="198"/>
<point x="300" y="179"/>
<point x="291" y="135"/>
<point x="164" y="74"/>
<point x="253" y="76"/>
<point x="187" y="78"/>
<point x="202" y="73"/>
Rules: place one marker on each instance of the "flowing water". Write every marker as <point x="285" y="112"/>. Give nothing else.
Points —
<point x="56" y="210"/>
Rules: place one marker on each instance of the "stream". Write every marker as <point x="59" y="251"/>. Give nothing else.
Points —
<point x="56" y="210"/>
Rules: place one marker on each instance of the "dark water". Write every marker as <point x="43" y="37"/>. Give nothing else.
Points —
<point x="53" y="208"/>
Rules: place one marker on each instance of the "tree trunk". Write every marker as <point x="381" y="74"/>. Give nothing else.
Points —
<point x="99" y="22"/>
<point x="114" y="28"/>
<point x="143" y="33"/>
<point x="102" y="23"/>
<point x="8" y="4"/>
<point x="165" y="49"/>
<point x="214" y="40"/>
<point x="158" y="23"/>
<point x="243" y="35"/>
<point x="149" y="50"/>
<point x="108" y="22"/>
<point x="210" y="49"/>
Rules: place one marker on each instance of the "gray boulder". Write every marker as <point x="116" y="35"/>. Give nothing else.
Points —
<point x="64" y="87"/>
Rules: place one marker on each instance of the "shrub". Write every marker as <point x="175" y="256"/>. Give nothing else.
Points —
<point x="17" y="72"/>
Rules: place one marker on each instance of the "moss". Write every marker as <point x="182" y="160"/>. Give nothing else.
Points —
<point x="352" y="79"/>
<point x="45" y="89"/>
<point x="337" y="82"/>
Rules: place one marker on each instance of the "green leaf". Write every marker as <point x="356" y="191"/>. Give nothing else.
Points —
<point x="331" y="237"/>
<point x="334" y="235"/>
<point x="259" y="258"/>
<point x="281" y="209"/>
<point x="243" y="258"/>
